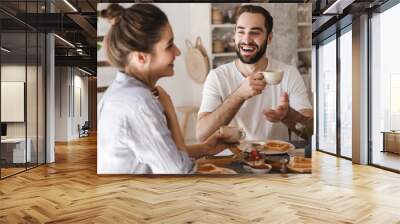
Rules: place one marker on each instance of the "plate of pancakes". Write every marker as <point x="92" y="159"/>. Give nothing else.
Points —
<point x="269" y="147"/>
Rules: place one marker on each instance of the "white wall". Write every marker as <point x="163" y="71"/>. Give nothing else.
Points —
<point x="61" y="103"/>
<point x="33" y="125"/>
<point x="314" y="90"/>
<point x="12" y="99"/>
<point x="200" y="20"/>
<point x="67" y="84"/>
<point x="50" y="96"/>
<point x="17" y="73"/>
<point x="79" y="117"/>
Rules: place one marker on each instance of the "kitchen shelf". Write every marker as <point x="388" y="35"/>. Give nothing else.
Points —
<point x="304" y="35"/>
<point x="304" y="24"/>
<point x="225" y="25"/>
<point x="304" y="49"/>
<point x="225" y="54"/>
<point x="218" y="31"/>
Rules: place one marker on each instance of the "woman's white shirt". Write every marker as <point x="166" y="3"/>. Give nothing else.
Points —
<point x="133" y="135"/>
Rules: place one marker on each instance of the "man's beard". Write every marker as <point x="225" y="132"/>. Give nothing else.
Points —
<point x="259" y="54"/>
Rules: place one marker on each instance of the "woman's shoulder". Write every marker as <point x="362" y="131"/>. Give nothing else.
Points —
<point x="127" y="91"/>
<point x="126" y="98"/>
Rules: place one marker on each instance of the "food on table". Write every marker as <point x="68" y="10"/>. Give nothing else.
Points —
<point x="258" y="146"/>
<point x="219" y="160"/>
<point x="212" y="169"/>
<point x="272" y="146"/>
<point x="261" y="166"/>
<point x="255" y="159"/>
<point x="254" y="155"/>
<point x="276" y="146"/>
<point x="219" y="157"/>
<point x="301" y="162"/>
<point x="255" y="163"/>
<point x="207" y="168"/>
<point x="236" y="151"/>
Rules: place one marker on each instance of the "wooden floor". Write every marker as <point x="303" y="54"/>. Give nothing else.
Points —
<point x="10" y="171"/>
<point x="387" y="159"/>
<point x="70" y="191"/>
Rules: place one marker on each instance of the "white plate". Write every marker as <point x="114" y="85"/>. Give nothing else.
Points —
<point x="226" y="152"/>
<point x="257" y="171"/>
<point x="246" y="146"/>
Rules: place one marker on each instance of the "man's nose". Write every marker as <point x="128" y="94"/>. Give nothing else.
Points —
<point x="246" y="38"/>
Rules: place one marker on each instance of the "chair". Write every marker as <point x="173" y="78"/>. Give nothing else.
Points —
<point x="187" y="112"/>
<point x="84" y="130"/>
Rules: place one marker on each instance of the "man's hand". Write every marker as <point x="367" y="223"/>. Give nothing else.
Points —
<point x="280" y="112"/>
<point x="253" y="85"/>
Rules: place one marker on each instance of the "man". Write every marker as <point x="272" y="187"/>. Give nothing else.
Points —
<point x="236" y="93"/>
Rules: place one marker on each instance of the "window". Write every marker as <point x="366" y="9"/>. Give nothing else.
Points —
<point x="385" y="88"/>
<point x="346" y="93"/>
<point x="327" y="96"/>
<point x="22" y="77"/>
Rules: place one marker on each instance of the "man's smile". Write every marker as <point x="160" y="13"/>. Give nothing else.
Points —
<point x="247" y="50"/>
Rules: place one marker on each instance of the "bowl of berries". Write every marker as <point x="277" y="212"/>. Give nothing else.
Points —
<point x="255" y="163"/>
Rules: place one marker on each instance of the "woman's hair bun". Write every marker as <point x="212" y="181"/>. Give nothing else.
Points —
<point x="113" y="13"/>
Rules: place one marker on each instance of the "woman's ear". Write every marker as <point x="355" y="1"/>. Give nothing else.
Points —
<point x="139" y="58"/>
<point x="140" y="61"/>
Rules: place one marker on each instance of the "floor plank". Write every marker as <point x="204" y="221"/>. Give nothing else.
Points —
<point x="70" y="191"/>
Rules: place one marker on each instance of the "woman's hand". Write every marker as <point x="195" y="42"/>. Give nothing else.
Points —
<point x="170" y="115"/>
<point x="165" y="100"/>
<point x="215" y="144"/>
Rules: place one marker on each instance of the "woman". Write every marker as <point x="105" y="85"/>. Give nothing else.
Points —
<point x="138" y="128"/>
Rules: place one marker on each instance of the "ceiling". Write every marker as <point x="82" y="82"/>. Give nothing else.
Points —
<point x="330" y="15"/>
<point x="76" y="23"/>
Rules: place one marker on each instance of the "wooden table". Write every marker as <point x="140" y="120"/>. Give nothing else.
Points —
<point x="291" y="162"/>
<point x="391" y="141"/>
<point x="13" y="150"/>
<point x="282" y="160"/>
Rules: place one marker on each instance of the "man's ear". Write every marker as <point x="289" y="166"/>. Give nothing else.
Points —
<point x="269" y="38"/>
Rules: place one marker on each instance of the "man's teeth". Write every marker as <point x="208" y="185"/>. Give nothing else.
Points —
<point x="247" y="48"/>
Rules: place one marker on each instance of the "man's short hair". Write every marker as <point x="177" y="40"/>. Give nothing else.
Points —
<point x="269" y="21"/>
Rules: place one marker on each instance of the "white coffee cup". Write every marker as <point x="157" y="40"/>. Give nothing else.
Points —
<point x="273" y="77"/>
